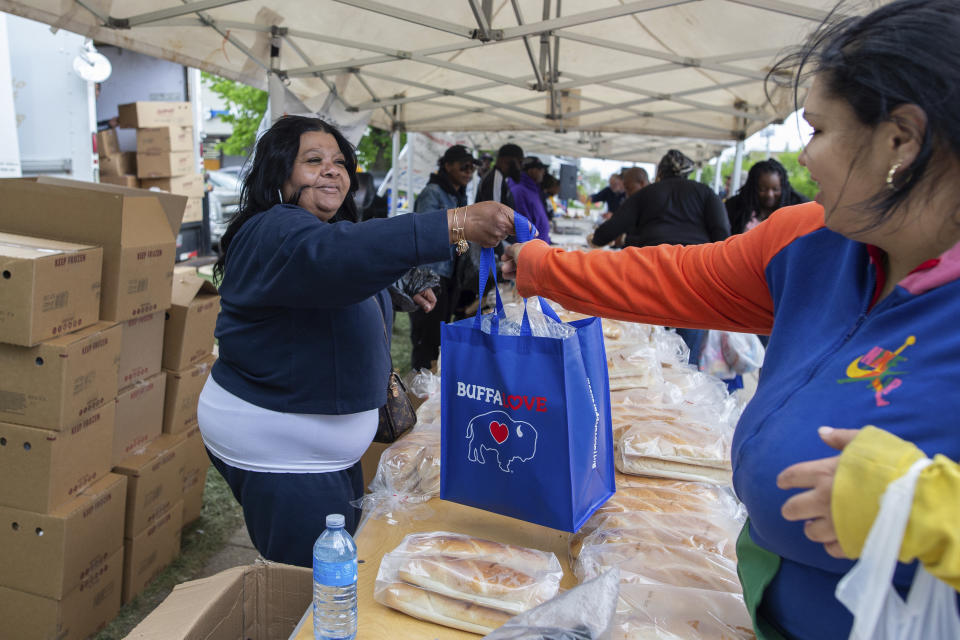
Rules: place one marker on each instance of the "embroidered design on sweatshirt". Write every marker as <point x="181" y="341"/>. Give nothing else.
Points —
<point x="878" y="369"/>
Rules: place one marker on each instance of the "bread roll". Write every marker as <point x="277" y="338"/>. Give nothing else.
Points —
<point x="441" y="609"/>
<point x="479" y="581"/>
<point x="458" y="545"/>
<point x="643" y="466"/>
<point x="656" y="612"/>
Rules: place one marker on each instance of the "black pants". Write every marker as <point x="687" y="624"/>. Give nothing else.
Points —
<point x="694" y="339"/>
<point x="425" y="327"/>
<point x="285" y="513"/>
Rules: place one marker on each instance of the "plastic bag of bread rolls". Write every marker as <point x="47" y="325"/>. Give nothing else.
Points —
<point x="655" y="612"/>
<point x="653" y="562"/>
<point x="464" y="582"/>
<point x="410" y="466"/>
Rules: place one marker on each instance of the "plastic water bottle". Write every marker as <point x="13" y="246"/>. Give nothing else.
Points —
<point x="334" y="583"/>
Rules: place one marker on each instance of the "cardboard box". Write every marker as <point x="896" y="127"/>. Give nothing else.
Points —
<point x="107" y="142"/>
<point x="165" y="165"/>
<point x="140" y="115"/>
<point x="41" y="470"/>
<point x="118" y="164"/>
<point x="191" y="319"/>
<point x="196" y="463"/>
<point x="154" y="482"/>
<point x="146" y="555"/>
<point x="164" y="139"/>
<point x="136" y="228"/>
<point x="188" y="185"/>
<point x="194" y="210"/>
<point x="50" y="554"/>
<point x="47" y="288"/>
<point x="193" y="496"/>
<point x="77" y="616"/>
<point x="141" y="348"/>
<point x="139" y="417"/>
<point x="183" y="394"/>
<point x="263" y="601"/>
<point x="131" y="181"/>
<point x="59" y="381"/>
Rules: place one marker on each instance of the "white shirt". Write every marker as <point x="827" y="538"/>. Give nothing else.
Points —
<point x="252" y="438"/>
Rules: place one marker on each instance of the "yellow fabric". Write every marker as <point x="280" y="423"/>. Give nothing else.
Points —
<point x="867" y="465"/>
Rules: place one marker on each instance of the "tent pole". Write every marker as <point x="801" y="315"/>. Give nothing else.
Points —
<point x="410" y="139"/>
<point x="394" y="171"/>
<point x="716" y="175"/>
<point x="737" y="170"/>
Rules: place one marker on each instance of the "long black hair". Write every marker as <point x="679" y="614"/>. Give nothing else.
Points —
<point x="905" y="52"/>
<point x="741" y="207"/>
<point x="272" y="164"/>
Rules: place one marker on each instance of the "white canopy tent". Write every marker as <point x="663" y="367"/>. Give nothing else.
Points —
<point x="611" y="69"/>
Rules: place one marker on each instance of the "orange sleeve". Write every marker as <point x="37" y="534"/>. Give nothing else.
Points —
<point x="708" y="286"/>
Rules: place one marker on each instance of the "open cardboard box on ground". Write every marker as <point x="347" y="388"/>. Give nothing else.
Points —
<point x="136" y="228"/>
<point x="263" y="601"/>
<point x="59" y="381"/>
<point x="47" y="288"/>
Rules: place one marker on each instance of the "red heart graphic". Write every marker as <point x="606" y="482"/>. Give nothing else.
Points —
<point x="499" y="431"/>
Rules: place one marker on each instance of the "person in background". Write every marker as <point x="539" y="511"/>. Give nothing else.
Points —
<point x="549" y="188"/>
<point x="612" y="195"/>
<point x="292" y="402"/>
<point x="725" y="189"/>
<point x="496" y="185"/>
<point x="446" y="189"/>
<point x="766" y="190"/>
<point x="527" y="196"/>
<point x="486" y="163"/>
<point x="674" y="210"/>
<point x="634" y="179"/>
<point x="859" y="291"/>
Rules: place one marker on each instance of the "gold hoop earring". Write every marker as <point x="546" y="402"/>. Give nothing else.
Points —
<point x="890" y="174"/>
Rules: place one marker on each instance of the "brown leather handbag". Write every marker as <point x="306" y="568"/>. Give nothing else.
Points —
<point x="397" y="415"/>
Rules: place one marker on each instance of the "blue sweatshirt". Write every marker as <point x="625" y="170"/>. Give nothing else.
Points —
<point x="300" y="328"/>
<point x="833" y="359"/>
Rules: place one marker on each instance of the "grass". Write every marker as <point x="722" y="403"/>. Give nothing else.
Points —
<point x="400" y="346"/>
<point x="219" y="519"/>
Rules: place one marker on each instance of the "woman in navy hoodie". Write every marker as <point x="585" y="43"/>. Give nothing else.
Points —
<point x="292" y="402"/>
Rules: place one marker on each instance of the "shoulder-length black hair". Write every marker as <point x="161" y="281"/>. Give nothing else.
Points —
<point x="905" y="52"/>
<point x="272" y="164"/>
<point x="741" y="206"/>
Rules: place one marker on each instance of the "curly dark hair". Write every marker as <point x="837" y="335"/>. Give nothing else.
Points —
<point x="741" y="207"/>
<point x="272" y="164"/>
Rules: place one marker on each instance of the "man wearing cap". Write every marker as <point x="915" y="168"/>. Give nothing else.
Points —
<point x="527" y="196"/>
<point x="495" y="185"/>
<point x="446" y="189"/>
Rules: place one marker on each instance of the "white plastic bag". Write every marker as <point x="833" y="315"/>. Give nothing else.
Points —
<point x="879" y="613"/>
<point x="727" y="354"/>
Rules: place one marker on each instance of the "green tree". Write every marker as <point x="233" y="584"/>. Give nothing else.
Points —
<point x="799" y="176"/>
<point x="374" y="149"/>
<point x="245" y="108"/>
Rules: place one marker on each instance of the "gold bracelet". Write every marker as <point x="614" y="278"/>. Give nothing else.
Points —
<point x="462" y="246"/>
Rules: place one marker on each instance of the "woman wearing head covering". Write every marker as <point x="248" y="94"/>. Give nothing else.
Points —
<point x="292" y="402"/>
<point x="673" y="210"/>
<point x="860" y="293"/>
<point x="766" y="190"/>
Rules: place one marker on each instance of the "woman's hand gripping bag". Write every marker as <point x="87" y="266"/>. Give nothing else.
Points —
<point x="526" y="429"/>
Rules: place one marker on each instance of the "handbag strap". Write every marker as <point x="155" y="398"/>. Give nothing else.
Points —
<point x="386" y="338"/>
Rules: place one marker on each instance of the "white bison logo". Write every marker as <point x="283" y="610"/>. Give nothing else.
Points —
<point x="507" y="438"/>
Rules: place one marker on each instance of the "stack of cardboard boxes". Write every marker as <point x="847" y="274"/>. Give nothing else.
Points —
<point x="166" y="156"/>
<point x="86" y="282"/>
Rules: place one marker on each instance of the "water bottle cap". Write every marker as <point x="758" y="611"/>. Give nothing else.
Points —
<point x="335" y="520"/>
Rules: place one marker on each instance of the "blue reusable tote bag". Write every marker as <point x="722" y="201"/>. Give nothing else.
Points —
<point x="526" y="429"/>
